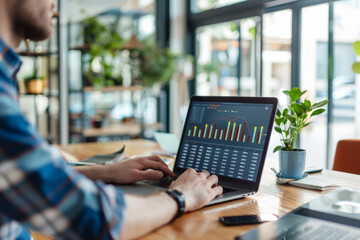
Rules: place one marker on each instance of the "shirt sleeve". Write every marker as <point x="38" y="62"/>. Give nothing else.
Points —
<point x="39" y="190"/>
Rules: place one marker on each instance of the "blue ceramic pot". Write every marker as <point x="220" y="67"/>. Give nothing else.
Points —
<point x="292" y="163"/>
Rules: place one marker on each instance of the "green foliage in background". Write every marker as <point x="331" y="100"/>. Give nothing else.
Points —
<point x="296" y="116"/>
<point x="104" y="42"/>
<point x="210" y="67"/>
<point x="356" y="65"/>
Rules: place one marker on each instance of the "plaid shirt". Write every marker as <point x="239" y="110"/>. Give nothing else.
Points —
<point x="38" y="190"/>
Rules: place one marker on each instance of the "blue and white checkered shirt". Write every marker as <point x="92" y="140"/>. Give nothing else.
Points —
<point x="38" y="190"/>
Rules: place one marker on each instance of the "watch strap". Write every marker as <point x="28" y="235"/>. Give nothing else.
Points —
<point x="180" y="201"/>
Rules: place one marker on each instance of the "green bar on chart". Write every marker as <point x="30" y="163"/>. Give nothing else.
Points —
<point x="244" y="138"/>
<point x="238" y="136"/>
<point x="189" y="133"/>
<point x="194" y="133"/>
<point x="261" y="133"/>
<point x="221" y="134"/>
<point x="204" y="136"/>
<point x="211" y="127"/>
<point x="215" y="134"/>
<point x="199" y="133"/>
<point x="227" y="132"/>
<point x="233" y="132"/>
<point x="254" y="135"/>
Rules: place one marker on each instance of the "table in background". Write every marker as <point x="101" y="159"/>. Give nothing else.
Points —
<point x="204" y="224"/>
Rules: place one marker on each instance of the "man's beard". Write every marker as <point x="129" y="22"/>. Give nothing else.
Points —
<point x="30" y="30"/>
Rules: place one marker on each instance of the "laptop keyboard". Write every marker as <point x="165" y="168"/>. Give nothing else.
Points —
<point x="164" y="182"/>
<point x="306" y="231"/>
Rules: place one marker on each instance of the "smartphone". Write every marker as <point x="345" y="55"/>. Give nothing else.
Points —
<point x="313" y="170"/>
<point x="247" y="219"/>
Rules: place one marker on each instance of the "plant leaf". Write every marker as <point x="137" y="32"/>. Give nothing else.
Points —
<point x="307" y="124"/>
<point x="278" y="129"/>
<point x="307" y="104"/>
<point x="285" y="112"/>
<point x="319" y="104"/>
<point x="356" y="67"/>
<point x="356" y="46"/>
<point x="317" y="112"/>
<point x="294" y="94"/>
<point x="278" y="112"/>
<point x="278" y="120"/>
<point x="286" y="92"/>
<point x="297" y="108"/>
<point x="292" y="119"/>
<point x="277" y="148"/>
<point x="286" y="133"/>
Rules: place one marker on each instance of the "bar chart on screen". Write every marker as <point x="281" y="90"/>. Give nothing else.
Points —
<point x="235" y="130"/>
<point x="227" y="124"/>
<point x="226" y="139"/>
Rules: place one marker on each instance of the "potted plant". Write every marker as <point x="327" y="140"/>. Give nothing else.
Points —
<point x="34" y="84"/>
<point x="158" y="65"/>
<point x="288" y="123"/>
<point x="104" y="45"/>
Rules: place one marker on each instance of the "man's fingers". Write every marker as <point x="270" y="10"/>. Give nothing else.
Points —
<point x="156" y="159"/>
<point x="158" y="166"/>
<point x="216" y="191"/>
<point x="212" y="180"/>
<point x="206" y="174"/>
<point x="150" y="175"/>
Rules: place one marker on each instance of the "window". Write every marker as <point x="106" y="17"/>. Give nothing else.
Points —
<point x="304" y="43"/>
<point x="313" y="77"/>
<point x="203" y="5"/>
<point x="220" y="69"/>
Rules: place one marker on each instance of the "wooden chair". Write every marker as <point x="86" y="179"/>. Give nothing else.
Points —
<point x="347" y="156"/>
<point x="38" y="236"/>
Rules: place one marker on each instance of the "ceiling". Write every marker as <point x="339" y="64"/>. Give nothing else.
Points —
<point x="76" y="10"/>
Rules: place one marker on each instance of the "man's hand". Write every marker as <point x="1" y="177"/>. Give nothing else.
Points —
<point x="136" y="169"/>
<point x="128" y="171"/>
<point x="198" y="188"/>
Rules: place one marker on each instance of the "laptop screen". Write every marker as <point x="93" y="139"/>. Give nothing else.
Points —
<point x="226" y="138"/>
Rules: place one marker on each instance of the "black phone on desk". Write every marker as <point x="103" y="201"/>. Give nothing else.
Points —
<point x="247" y="219"/>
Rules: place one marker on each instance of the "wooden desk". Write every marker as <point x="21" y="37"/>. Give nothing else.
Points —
<point x="204" y="224"/>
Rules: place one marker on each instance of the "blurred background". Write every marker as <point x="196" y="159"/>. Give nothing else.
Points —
<point x="124" y="69"/>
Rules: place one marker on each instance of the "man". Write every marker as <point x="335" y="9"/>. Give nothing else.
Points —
<point x="39" y="191"/>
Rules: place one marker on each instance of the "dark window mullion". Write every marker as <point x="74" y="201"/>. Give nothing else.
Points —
<point x="330" y="82"/>
<point x="258" y="56"/>
<point x="239" y="62"/>
<point x="296" y="53"/>
<point x="190" y="45"/>
<point x="296" y="47"/>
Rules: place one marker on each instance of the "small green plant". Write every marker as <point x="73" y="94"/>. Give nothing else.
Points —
<point x="296" y="116"/>
<point x="356" y="65"/>
<point x="33" y="76"/>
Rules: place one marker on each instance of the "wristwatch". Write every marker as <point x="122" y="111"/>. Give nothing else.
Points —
<point x="180" y="201"/>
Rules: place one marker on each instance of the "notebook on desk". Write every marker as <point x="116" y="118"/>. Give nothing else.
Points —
<point x="229" y="137"/>
<point x="335" y="215"/>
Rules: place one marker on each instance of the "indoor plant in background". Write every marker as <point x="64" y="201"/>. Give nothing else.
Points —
<point x="104" y="43"/>
<point x="34" y="84"/>
<point x="288" y="123"/>
<point x="356" y="65"/>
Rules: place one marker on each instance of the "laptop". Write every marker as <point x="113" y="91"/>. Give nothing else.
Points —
<point x="229" y="137"/>
<point x="335" y="215"/>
